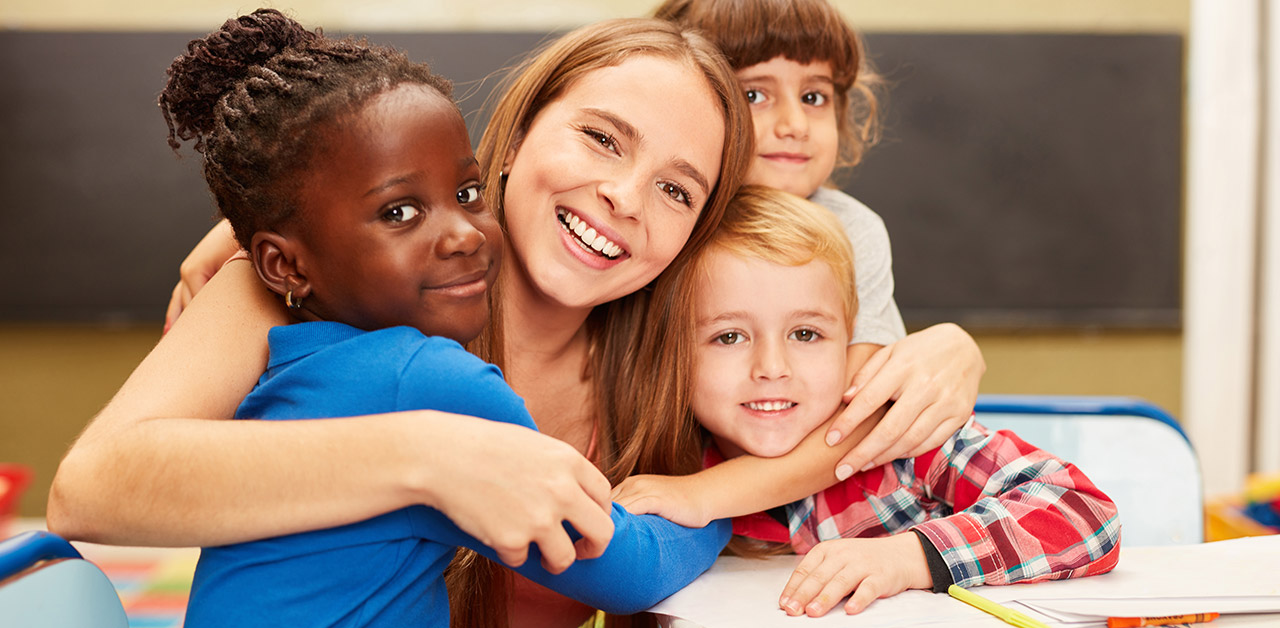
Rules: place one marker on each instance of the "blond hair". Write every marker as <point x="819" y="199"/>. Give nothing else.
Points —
<point x="804" y="31"/>
<point x="761" y="223"/>
<point x="478" y="588"/>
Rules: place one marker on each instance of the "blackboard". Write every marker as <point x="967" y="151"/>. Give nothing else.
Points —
<point x="1030" y="179"/>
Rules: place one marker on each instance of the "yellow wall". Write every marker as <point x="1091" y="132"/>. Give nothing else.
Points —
<point x="53" y="378"/>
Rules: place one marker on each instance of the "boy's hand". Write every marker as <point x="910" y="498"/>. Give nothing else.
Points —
<point x="675" y="498"/>
<point x="868" y="568"/>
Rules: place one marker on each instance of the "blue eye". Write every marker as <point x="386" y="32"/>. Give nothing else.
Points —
<point x="402" y="212"/>
<point x="470" y="194"/>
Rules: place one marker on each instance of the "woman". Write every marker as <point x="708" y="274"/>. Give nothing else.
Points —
<point x="643" y="149"/>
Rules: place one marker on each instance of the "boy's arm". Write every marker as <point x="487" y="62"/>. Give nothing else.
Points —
<point x="1022" y="515"/>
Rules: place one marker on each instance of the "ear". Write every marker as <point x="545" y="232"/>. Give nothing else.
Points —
<point x="276" y="258"/>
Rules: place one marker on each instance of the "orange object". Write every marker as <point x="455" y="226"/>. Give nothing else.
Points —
<point x="1137" y="622"/>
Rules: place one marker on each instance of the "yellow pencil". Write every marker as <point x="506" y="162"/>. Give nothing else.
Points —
<point x="1006" y="614"/>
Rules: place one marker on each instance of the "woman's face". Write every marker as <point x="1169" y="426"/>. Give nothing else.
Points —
<point x="606" y="186"/>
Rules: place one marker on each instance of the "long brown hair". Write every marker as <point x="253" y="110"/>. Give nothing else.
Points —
<point x="478" y="588"/>
<point x="804" y="31"/>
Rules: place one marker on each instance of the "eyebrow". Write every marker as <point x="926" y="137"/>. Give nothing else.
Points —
<point x="634" y="136"/>
<point x="461" y="163"/>
<point x="743" y="314"/>
<point x="771" y="79"/>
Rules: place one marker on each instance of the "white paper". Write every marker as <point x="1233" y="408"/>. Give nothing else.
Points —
<point x="1238" y="576"/>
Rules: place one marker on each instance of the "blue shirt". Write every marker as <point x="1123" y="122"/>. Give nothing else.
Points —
<point x="388" y="570"/>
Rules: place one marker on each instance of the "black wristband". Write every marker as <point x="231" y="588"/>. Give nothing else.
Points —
<point x="937" y="567"/>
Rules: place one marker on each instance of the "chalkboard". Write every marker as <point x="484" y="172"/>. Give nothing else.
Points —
<point x="1025" y="179"/>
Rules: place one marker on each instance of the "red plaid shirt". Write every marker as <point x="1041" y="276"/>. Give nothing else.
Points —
<point x="997" y="509"/>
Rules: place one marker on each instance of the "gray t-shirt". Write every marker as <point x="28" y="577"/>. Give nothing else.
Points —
<point x="878" y="321"/>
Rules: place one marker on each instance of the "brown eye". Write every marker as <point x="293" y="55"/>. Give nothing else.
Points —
<point x="469" y="194"/>
<point x="816" y="99"/>
<point x="402" y="212"/>
<point x="755" y="96"/>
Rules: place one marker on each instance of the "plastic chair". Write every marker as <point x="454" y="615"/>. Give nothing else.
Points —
<point x="1134" y="451"/>
<point x="44" y="583"/>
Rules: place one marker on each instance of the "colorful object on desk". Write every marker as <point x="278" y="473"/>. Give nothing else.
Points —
<point x="1256" y="512"/>
<point x="1004" y="613"/>
<point x="1138" y="622"/>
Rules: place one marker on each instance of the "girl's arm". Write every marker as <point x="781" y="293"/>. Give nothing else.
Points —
<point x="931" y="377"/>
<point x="1021" y="515"/>
<point x="746" y="484"/>
<point x="157" y="467"/>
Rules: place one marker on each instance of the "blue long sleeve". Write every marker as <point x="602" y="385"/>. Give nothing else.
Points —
<point x="648" y="559"/>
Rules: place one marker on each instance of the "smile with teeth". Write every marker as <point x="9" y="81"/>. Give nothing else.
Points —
<point x="587" y="236"/>
<point x="769" y="406"/>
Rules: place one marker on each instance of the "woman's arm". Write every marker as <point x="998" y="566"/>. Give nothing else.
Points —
<point x="157" y="467"/>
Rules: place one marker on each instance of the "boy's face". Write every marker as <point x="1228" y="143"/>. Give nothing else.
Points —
<point x="393" y="228"/>
<point x="769" y="352"/>
<point x="793" y="107"/>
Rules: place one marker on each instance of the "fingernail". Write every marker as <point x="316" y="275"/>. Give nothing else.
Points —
<point x="867" y="467"/>
<point x="814" y="608"/>
<point x="785" y="603"/>
<point x="833" y="437"/>
<point x="793" y="608"/>
<point x="843" y="472"/>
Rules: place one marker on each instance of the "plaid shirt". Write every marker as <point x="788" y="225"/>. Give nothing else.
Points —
<point x="997" y="509"/>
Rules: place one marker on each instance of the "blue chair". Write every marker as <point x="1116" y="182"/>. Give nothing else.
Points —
<point x="1134" y="451"/>
<point x="44" y="583"/>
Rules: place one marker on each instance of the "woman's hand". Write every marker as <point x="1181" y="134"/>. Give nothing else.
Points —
<point x="201" y="264"/>
<point x="868" y="568"/>
<point x="674" y="498"/>
<point x="931" y="377"/>
<point x="509" y="486"/>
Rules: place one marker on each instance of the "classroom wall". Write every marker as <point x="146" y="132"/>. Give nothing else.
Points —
<point x="54" y="377"/>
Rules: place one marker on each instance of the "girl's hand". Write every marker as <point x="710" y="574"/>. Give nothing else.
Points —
<point x="201" y="264"/>
<point x="931" y="377"/>
<point x="868" y="568"/>
<point x="675" y="498"/>
<point x="519" y="488"/>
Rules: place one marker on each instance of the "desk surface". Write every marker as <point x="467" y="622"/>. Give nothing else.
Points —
<point x="742" y="593"/>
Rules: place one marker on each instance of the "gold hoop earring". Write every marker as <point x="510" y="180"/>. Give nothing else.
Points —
<point x="292" y="304"/>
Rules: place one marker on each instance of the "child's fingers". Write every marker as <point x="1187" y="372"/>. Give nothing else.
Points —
<point x="596" y="529"/>
<point x="867" y="592"/>
<point x="558" y="551"/>
<point x="869" y="394"/>
<point x="840" y="583"/>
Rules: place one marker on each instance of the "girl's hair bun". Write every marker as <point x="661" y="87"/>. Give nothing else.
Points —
<point x="216" y="63"/>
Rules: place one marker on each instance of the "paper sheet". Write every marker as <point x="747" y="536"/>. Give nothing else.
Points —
<point x="1241" y="575"/>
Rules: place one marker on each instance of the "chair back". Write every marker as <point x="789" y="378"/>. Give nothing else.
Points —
<point x="1134" y="451"/>
<point x="44" y="583"/>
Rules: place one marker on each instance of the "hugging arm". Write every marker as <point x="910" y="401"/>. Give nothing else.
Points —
<point x="160" y="465"/>
<point x="745" y="484"/>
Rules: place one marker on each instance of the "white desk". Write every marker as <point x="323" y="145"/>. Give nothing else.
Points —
<point x="742" y="593"/>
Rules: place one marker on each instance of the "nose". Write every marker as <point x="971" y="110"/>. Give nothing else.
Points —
<point x="769" y="361"/>
<point x="459" y="235"/>
<point x="790" y="119"/>
<point x="623" y="190"/>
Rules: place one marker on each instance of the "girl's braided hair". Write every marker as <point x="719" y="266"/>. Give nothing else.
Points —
<point x="254" y="96"/>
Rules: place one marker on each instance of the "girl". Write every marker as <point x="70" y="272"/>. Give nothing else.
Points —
<point x="814" y="107"/>
<point x="361" y="206"/>
<point x="583" y="136"/>
<point x="766" y="310"/>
